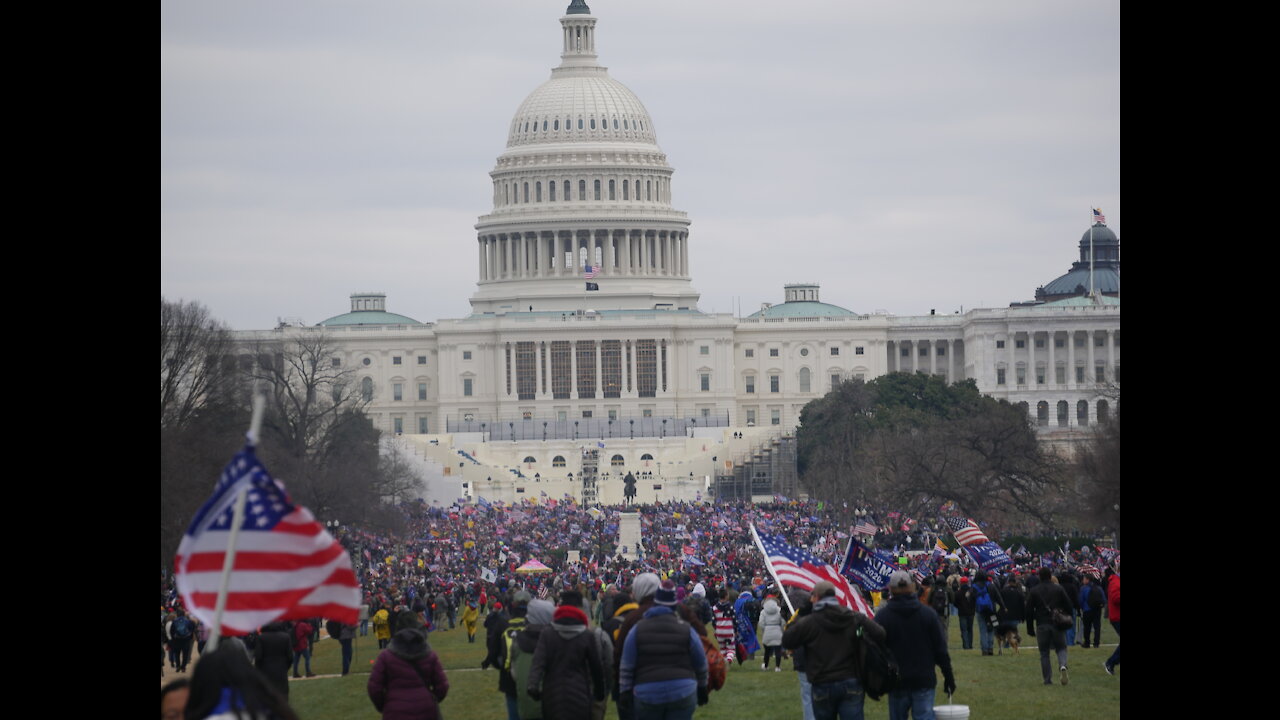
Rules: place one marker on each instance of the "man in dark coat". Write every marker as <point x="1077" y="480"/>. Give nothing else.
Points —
<point x="831" y="637"/>
<point x="502" y="630"/>
<point x="966" y="602"/>
<point x="1042" y="600"/>
<point x="914" y="636"/>
<point x="273" y="655"/>
<point x="567" y="672"/>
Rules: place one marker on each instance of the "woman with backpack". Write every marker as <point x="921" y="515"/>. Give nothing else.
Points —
<point x="408" y="681"/>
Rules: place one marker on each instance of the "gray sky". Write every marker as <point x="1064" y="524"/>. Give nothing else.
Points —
<point x="905" y="155"/>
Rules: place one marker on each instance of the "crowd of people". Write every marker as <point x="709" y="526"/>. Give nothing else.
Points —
<point x="655" y="632"/>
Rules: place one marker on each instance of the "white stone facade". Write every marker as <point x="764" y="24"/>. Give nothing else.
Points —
<point x="583" y="182"/>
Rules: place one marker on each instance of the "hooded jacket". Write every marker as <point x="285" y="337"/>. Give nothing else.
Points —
<point x="914" y="636"/>
<point x="771" y="623"/>
<point x="567" y="671"/>
<point x="396" y="687"/>
<point x="829" y="635"/>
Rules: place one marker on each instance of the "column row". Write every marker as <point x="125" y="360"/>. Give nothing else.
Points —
<point x="515" y="256"/>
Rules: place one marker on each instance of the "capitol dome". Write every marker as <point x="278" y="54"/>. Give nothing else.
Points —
<point x="581" y="106"/>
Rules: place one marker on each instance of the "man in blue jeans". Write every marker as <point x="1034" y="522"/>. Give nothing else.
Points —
<point x="829" y="634"/>
<point x="917" y="642"/>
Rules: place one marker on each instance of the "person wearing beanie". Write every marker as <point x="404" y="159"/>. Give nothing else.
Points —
<point x="663" y="672"/>
<point x="604" y="644"/>
<point x="831" y="636"/>
<point x="914" y="635"/>
<point x="567" y="672"/>
<point x="537" y="621"/>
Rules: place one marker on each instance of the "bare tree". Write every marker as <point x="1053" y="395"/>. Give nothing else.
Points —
<point x="194" y="372"/>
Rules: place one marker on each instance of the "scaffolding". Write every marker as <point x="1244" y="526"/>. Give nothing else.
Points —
<point x="766" y="470"/>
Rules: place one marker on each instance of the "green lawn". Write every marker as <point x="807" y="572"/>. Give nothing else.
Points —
<point x="996" y="688"/>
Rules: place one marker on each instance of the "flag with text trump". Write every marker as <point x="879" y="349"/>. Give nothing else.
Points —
<point x="865" y="567"/>
<point x="286" y="565"/>
<point x="794" y="567"/>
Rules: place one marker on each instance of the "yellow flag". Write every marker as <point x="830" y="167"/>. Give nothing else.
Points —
<point x="471" y="523"/>
<point x="469" y="544"/>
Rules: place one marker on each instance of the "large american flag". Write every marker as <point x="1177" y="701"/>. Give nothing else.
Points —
<point x="864" y="527"/>
<point x="967" y="531"/>
<point x="286" y="565"/>
<point x="589" y="271"/>
<point x="796" y="568"/>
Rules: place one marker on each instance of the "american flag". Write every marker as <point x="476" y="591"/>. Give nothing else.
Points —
<point x="864" y="527"/>
<point x="797" y="568"/>
<point x="939" y="549"/>
<point x="286" y="565"/>
<point x="1098" y="217"/>
<point x="967" y="531"/>
<point x="589" y="271"/>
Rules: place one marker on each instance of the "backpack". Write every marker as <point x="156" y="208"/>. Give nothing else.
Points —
<point x="938" y="600"/>
<point x="879" y="675"/>
<point x="984" y="599"/>
<point x="514" y="626"/>
<point x="334" y="628"/>
<point x="716" y="668"/>
<point x="182" y="628"/>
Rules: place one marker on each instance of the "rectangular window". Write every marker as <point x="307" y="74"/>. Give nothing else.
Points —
<point x="506" y="353"/>
<point x="774" y="382"/>
<point x="647" y="368"/>
<point x="1117" y="374"/>
<point x="1100" y="373"/>
<point x="751" y="384"/>
<point x="466" y="387"/>
<point x="706" y="412"/>
<point x="835" y="351"/>
<point x="999" y="344"/>
<point x="611" y="367"/>
<point x="858" y="350"/>
<point x="586" y="351"/>
<point x="751" y="417"/>
<point x="1099" y="341"/>
<point x="526" y="370"/>
<point x="397" y="392"/>
<point x="924" y="351"/>
<point x="422" y="425"/>
<point x="1079" y="341"/>
<point x="613" y="414"/>
<point x="835" y="380"/>
<point x="1079" y="373"/>
<point x="1022" y="376"/>
<point x="337" y="362"/>
<point x="398" y="424"/>
<point x="999" y="376"/>
<point x="704" y="382"/>
<point x="422" y="359"/>
<point x="773" y="352"/>
<point x="906" y="352"/>
<point x="750" y="352"/>
<point x="466" y="354"/>
<point x="940" y="351"/>
<point x="395" y="361"/>
<point x="1039" y="376"/>
<point x="704" y="349"/>
<point x="1019" y="344"/>
<point x="1059" y="342"/>
<point x="647" y="412"/>
<point x="1039" y="342"/>
<point x="561" y="380"/>
<point x="775" y="417"/>
<point x="422" y="391"/>
<point x="586" y="413"/>
<point x="1060" y="375"/>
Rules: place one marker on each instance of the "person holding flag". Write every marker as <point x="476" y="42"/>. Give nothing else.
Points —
<point x="831" y="635"/>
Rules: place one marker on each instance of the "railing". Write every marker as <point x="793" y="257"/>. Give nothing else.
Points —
<point x="585" y="428"/>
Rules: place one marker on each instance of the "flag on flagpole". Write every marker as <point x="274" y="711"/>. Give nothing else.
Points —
<point x="939" y="549"/>
<point x="287" y="565"/>
<point x="796" y="568"/>
<point x="864" y="527"/>
<point x="1098" y="217"/>
<point x="966" y="531"/>
<point x="589" y="271"/>
<point x="868" y="569"/>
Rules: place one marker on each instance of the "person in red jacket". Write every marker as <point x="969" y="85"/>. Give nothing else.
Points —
<point x="1113" y="614"/>
<point x="302" y="646"/>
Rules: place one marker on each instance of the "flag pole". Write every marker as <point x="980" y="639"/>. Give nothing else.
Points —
<point x="767" y="566"/>
<point x="237" y="518"/>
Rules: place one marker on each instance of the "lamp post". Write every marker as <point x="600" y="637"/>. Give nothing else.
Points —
<point x="664" y="428"/>
<point x="544" y="431"/>
<point x="482" y="427"/>
<point x="512" y="425"/>
<point x="575" y="429"/>
<point x="633" y="428"/>
<point x="610" y="427"/>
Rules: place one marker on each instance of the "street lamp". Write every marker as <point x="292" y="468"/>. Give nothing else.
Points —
<point x="610" y="427"/>
<point x="633" y="428"/>
<point x="575" y="429"/>
<point x="664" y="427"/>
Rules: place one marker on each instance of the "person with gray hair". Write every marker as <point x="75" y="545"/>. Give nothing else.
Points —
<point x="915" y="637"/>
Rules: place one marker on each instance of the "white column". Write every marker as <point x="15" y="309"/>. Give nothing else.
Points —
<point x="1071" y="360"/>
<point x="933" y="357"/>
<point x="1089" y="369"/>
<point x="1051" y="372"/>
<point x="537" y="368"/>
<point x="573" y="370"/>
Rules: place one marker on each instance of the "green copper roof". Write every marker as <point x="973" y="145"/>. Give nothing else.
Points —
<point x="578" y="7"/>
<point x="1082" y="301"/>
<point x="802" y="308"/>
<point x="370" y="317"/>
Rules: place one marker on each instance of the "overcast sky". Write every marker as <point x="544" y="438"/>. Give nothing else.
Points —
<point x="907" y="155"/>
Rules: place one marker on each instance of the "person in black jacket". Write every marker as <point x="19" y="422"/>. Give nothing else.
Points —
<point x="914" y="636"/>
<point x="273" y="656"/>
<point x="831" y="637"/>
<point x="1043" y="599"/>
<point x="966" y="602"/>
<point x="502" y="630"/>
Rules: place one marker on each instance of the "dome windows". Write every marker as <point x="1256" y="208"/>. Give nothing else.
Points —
<point x="615" y="123"/>
<point x="580" y="123"/>
<point x="624" y="124"/>
<point x="593" y="123"/>
<point x="544" y="126"/>
<point x="556" y="125"/>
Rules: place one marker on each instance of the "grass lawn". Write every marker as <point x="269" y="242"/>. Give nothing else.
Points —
<point x="995" y="688"/>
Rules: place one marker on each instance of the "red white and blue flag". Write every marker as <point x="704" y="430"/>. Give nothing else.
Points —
<point x="286" y="565"/>
<point x="1098" y="217"/>
<point x="794" y="567"/>
<point x="589" y="271"/>
<point x="967" y="531"/>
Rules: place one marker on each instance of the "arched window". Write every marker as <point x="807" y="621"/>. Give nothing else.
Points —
<point x="626" y="195"/>
<point x="648" y="190"/>
<point x="582" y="189"/>
<point x="1042" y="413"/>
<point x="616" y="461"/>
<point x="624" y="124"/>
<point x="526" y="126"/>
<point x="1063" y="408"/>
<point x="615" y="123"/>
<point x="538" y="191"/>
<point x="646" y="456"/>
<point x="556" y="125"/>
<point x="366" y="389"/>
<point x="544" y="126"/>
<point x="593" y="123"/>
<point x="551" y="189"/>
<point x="1082" y="413"/>
<point x="530" y="460"/>
<point x="612" y="193"/>
<point x="804" y="380"/>
<point x="579" y="123"/>
<point x="526" y="192"/>
<point x="557" y="461"/>
<point x="597" y="189"/>
<point x="566" y="191"/>
<point x="1104" y="411"/>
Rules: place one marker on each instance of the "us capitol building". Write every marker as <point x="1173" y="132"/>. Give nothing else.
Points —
<point x="550" y="388"/>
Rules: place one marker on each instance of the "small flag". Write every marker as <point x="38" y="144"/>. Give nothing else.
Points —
<point x="593" y="286"/>
<point x="939" y="549"/>
<point x="600" y="444"/>
<point x="286" y="566"/>
<point x="864" y="527"/>
<point x="1098" y="217"/>
<point x="589" y="271"/>
<point x="989" y="556"/>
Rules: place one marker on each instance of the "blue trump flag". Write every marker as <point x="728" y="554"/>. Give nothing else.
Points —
<point x="989" y="556"/>
<point x="746" y="632"/>
<point x="866" y="567"/>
